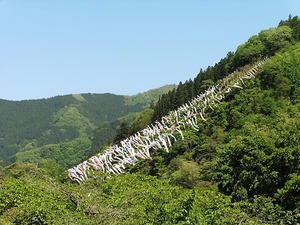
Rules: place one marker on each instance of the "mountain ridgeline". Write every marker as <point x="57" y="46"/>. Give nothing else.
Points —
<point x="242" y="165"/>
<point x="33" y="129"/>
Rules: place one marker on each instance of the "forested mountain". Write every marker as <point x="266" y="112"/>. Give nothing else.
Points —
<point x="35" y="129"/>
<point x="242" y="165"/>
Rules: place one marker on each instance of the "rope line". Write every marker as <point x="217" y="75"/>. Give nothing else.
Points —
<point x="160" y="134"/>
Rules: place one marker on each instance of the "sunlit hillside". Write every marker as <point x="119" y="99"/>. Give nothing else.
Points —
<point x="31" y="130"/>
<point x="238" y="165"/>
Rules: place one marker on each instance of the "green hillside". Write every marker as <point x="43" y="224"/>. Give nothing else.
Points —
<point x="31" y="129"/>
<point x="242" y="165"/>
<point x="149" y="96"/>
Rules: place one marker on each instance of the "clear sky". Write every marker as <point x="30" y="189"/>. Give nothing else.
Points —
<point x="57" y="47"/>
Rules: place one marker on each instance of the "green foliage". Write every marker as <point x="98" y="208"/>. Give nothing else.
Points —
<point x="294" y="23"/>
<point x="63" y="119"/>
<point x="123" y="131"/>
<point x="66" y="154"/>
<point x="289" y="195"/>
<point x="70" y="116"/>
<point x="250" y="146"/>
<point x="275" y="39"/>
<point x="38" y="198"/>
<point x="241" y="167"/>
<point x="260" y="154"/>
<point x="281" y="73"/>
<point x="267" y="42"/>
<point x="33" y="198"/>
<point x="187" y="174"/>
<point x="249" y="51"/>
<point x="189" y="89"/>
<point x="149" y="97"/>
<point x="142" y="120"/>
<point x="53" y="169"/>
<point x="102" y="136"/>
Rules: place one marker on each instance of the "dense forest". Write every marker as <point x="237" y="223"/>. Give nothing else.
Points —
<point x="242" y="166"/>
<point x="72" y="126"/>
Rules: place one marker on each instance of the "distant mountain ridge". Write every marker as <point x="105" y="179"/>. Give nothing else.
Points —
<point x="148" y="96"/>
<point x="30" y="124"/>
<point x="240" y="166"/>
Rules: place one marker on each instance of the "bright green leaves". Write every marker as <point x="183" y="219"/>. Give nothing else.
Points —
<point x="210" y="207"/>
<point x="142" y="120"/>
<point x="33" y="198"/>
<point x="37" y="198"/>
<point x="262" y="160"/>
<point x="294" y="23"/>
<point x="249" y="51"/>
<point x="187" y="173"/>
<point x="242" y="162"/>
<point x="275" y="39"/>
<point x="289" y="195"/>
<point x="139" y="199"/>
<point x="282" y="72"/>
<point x="267" y="42"/>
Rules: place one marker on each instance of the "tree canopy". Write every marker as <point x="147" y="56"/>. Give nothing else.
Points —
<point x="240" y="166"/>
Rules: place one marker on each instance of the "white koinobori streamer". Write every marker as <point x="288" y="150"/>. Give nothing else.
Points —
<point x="159" y="135"/>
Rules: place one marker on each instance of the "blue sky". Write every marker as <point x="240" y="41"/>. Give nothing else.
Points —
<point x="57" y="47"/>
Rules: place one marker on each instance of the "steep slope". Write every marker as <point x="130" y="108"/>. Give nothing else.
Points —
<point x="240" y="167"/>
<point x="161" y="134"/>
<point x="249" y="145"/>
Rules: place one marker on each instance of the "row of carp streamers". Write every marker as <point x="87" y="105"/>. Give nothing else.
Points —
<point x="160" y="134"/>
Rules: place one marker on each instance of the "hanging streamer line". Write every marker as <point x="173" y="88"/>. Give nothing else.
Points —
<point x="160" y="134"/>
